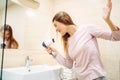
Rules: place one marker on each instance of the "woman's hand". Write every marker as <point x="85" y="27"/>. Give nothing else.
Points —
<point x="106" y="16"/>
<point x="52" y="51"/>
<point x="107" y="10"/>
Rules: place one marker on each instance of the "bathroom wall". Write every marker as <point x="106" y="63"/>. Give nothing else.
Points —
<point x="31" y="27"/>
<point x="17" y="58"/>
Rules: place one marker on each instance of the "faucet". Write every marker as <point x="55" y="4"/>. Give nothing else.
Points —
<point x="27" y="63"/>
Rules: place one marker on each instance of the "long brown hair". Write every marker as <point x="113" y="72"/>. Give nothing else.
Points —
<point x="64" y="18"/>
<point x="11" y="38"/>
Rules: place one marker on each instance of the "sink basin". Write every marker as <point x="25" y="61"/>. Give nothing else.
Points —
<point x="39" y="72"/>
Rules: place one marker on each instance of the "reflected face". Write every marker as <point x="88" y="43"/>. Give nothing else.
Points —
<point x="60" y="27"/>
<point x="7" y="34"/>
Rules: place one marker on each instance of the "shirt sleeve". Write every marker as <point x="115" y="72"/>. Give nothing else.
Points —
<point x="67" y="62"/>
<point x="96" y="31"/>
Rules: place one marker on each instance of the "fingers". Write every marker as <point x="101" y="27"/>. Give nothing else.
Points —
<point x="109" y="4"/>
<point x="49" y="49"/>
<point x="109" y="0"/>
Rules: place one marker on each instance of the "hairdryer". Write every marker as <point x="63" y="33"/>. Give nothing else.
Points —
<point x="3" y="45"/>
<point x="48" y="42"/>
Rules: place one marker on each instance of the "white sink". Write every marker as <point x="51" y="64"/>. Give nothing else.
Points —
<point x="39" y="72"/>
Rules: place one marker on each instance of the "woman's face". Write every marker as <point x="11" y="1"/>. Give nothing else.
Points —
<point x="60" y="27"/>
<point x="7" y="34"/>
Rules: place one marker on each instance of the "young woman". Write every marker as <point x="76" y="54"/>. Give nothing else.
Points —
<point x="81" y="47"/>
<point x="10" y="42"/>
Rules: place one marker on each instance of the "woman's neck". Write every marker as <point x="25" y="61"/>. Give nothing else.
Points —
<point x="72" y="29"/>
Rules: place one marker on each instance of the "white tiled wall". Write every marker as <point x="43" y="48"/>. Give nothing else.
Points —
<point x="30" y="31"/>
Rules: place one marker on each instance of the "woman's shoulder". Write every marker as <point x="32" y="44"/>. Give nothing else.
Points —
<point x="84" y="26"/>
<point x="88" y="26"/>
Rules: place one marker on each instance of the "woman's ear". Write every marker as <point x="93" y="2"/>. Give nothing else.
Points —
<point x="66" y="36"/>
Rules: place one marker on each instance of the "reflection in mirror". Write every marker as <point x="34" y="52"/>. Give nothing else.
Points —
<point x="10" y="42"/>
<point x="29" y="24"/>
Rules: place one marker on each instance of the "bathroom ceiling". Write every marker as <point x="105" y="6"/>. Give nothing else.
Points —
<point x="3" y="2"/>
<point x="28" y="3"/>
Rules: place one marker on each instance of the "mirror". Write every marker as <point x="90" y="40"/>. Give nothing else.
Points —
<point x="25" y="20"/>
<point x="10" y="42"/>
